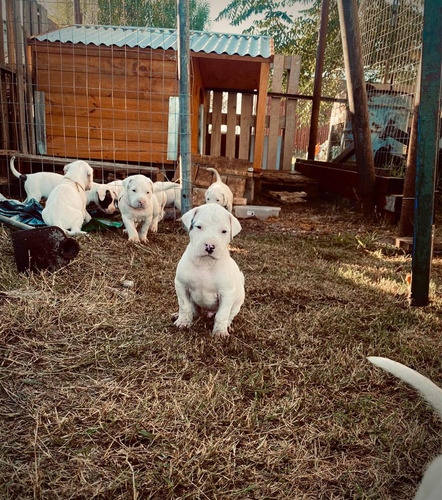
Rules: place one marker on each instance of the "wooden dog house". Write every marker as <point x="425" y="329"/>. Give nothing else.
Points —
<point x="110" y="93"/>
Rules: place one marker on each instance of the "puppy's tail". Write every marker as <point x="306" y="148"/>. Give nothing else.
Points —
<point x="17" y="174"/>
<point x="218" y="177"/>
<point x="429" y="390"/>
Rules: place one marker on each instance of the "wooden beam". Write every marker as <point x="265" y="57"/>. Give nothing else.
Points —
<point x="261" y="115"/>
<point x="246" y="125"/>
<point x="275" y="109"/>
<point x="231" y="125"/>
<point x="215" y="139"/>
<point x="290" y="113"/>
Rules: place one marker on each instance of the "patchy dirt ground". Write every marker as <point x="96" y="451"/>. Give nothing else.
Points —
<point x="102" y="397"/>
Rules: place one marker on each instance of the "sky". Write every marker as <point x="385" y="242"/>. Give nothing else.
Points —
<point x="216" y="6"/>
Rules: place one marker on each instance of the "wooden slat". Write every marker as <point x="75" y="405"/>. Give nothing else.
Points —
<point x="231" y="125"/>
<point x="278" y="65"/>
<point x="34" y="17"/>
<point x="290" y="112"/>
<point x="119" y="85"/>
<point x="246" y="123"/>
<point x="108" y="64"/>
<point x="119" y="122"/>
<point x="261" y="116"/>
<point x="4" y="111"/>
<point x="107" y="106"/>
<point x="28" y="77"/>
<point x="2" y="41"/>
<point x="215" y="139"/>
<point x="19" y="45"/>
<point x="43" y="19"/>
<point x="58" y="48"/>
<point x="10" y="34"/>
<point x="104" y="134"/>
<point x="107" y="150"/>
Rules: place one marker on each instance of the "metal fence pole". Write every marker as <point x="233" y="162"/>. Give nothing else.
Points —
<point x="427" y="149"/>
<point x="184" y="100"/>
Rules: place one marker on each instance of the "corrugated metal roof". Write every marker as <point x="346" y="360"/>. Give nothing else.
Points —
<point x="158" y="38"/>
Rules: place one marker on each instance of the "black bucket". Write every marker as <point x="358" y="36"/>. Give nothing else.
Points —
<point x="43" y="248"/>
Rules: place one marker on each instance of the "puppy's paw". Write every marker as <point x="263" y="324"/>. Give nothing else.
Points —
<point x="144" y="240"/>
<point x="183" y="322"/>
<point x="132" y="241"/>
<point x="220" y="334"/>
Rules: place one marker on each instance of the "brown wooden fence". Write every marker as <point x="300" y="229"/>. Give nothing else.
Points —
<point x="231" y="116"/>
<point x="23" y="18"/>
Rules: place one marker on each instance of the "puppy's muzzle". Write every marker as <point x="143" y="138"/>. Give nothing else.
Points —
<point x="209" y="248"/>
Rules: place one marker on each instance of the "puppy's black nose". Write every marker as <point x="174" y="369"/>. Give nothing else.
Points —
<point x="210" y="248"/>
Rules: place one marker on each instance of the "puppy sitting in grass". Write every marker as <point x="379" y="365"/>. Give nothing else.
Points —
<point x="207" y="278"/>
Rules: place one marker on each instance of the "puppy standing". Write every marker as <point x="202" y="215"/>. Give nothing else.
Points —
<point x="37" y="185"/>
<point x="220" y="193"/>
<point x="66" y="204"/>
<point x="139" y="205"/>
<point x="207" y="277"/>
<point x="431" y="484"/>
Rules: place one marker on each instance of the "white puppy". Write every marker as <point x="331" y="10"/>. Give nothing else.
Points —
<point x="220" y="193"/>
<point x="38" y="185"/>
<point x="172" y="191"/>
<point x="207" y="277"/>
<point x="431" y="484"/>
<point x="103" y="196"/>
<point x="66" y="204"/>
<point x="139" y="205"/>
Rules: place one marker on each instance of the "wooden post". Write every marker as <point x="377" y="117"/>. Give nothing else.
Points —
<point x="261" y="115"/>
<point x="28" y="75"/>
<point x="294" y="67"/>
<point x="357" y="102"/>
<point x="231" y="125"/>
<point x="317" y="87"/>
<point x="272" y="151"/>
<point x="19" y="48"/>
<point x="246" y="125"/>
<point x="427" y="149"/>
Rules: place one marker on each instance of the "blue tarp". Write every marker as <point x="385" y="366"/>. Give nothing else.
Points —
<point x="28" y="213"/>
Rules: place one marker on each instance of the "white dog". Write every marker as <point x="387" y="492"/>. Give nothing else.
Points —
<point x="103" y="196"/>
<point x="207" y="277"/>
<point x="172" y="191"/>
<point x="431" y="484"/>
<point x="66" y="204"/>
<point x="220" y="193"/>
<point x="139" y="205"/>
<point x="38" y="185"/>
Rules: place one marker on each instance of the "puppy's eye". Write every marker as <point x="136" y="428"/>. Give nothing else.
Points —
<point x="198" y="227"/>
<point x="217" y="200"/>
<point x="224" y="231"/>
<point x="147" y="192"/>
<point x="134" y="190"/>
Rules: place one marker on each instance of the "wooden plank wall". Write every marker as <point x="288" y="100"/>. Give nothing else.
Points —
<point x="223" y="121"/>
<point x="280" y="118"/>
<point x="22" y="18"/>
<point x="119" y="113"/>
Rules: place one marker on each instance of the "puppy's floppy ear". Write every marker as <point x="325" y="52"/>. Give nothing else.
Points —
<point x="126" y="182"/>
<point x="188" y="217"/>
<point x="235" y="226"/>
<point x="102" y="192"/>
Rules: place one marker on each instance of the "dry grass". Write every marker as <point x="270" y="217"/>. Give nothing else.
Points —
<point x="102" y="397"/>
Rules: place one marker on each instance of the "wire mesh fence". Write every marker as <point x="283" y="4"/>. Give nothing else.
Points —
<point x="391" y="35"/>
